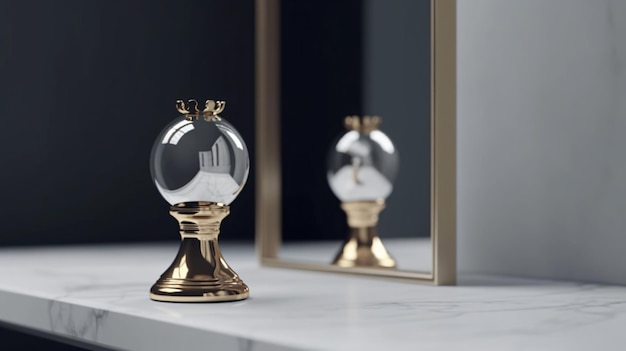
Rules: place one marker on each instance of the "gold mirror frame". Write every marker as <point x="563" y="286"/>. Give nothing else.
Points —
<point x="443" y="148"/>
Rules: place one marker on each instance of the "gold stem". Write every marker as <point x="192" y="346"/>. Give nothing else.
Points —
<point x="199" y="273"/>
<point x="363" y="247"/>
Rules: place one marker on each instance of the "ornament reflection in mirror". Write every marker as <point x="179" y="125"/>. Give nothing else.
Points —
<point x="362" y="166"/>
<point x="199" y="164"/>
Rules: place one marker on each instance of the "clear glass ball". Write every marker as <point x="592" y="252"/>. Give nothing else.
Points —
<point x="199" y="160"/>
<point x="362" y="166"/>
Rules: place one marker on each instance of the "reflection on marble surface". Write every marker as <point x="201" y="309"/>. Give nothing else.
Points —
<point x="99" y="294"/>
<point x="410" y="254"/>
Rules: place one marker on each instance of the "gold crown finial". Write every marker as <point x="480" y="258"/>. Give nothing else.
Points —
<point x="364" y="124"/>
<point x="211" y="111"/>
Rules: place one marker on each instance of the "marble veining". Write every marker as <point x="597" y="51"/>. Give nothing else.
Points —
<point x="99" y="294"/>
<point x="76" y="321"/>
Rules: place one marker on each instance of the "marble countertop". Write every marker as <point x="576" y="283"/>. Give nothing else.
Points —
<point x="99" y="295"/>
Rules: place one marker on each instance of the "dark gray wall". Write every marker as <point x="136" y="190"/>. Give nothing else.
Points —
<point x="86" y="86"/>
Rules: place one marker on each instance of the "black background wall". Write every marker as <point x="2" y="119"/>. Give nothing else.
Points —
<point x="86" y="86"/>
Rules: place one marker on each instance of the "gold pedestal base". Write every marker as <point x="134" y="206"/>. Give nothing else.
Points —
<point x="199" y="273"/>
<point x="363" y="248"/>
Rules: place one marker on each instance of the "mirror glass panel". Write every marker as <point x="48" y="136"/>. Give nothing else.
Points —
<point x="356" y="58"/>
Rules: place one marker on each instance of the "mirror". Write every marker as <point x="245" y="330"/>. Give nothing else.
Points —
<point x="323" y="177"/>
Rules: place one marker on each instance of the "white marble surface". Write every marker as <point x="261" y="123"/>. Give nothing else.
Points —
<point x="542" y="138"/>
<point x="99" y="294"/>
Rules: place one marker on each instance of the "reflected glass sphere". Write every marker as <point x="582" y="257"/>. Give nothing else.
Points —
<point x="197" y="159"/>
<point x="363" y="164"/>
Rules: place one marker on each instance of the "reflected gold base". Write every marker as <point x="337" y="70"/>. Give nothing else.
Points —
<point x="199" y="273"/>
<point x="363" y="248"/>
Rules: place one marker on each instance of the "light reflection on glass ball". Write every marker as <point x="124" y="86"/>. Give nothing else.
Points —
<point x="199" y="160"/>
<point x="363" y="164"/>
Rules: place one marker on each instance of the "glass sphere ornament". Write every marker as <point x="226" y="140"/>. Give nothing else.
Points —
<point x="362" y="166"/>
<point x="199" y="164"/>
